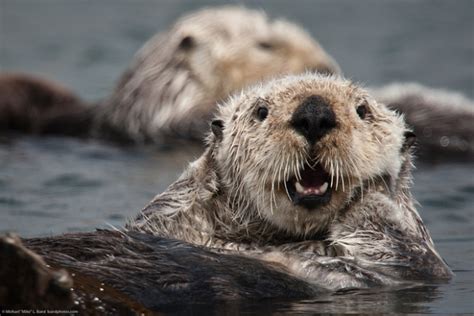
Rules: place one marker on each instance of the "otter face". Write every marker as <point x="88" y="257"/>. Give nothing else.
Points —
<point x="231" y="47"/>
<point x="298" y="149"/>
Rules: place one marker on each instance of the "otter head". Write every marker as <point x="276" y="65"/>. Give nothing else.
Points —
<point x="175" y="80"/>
<point x="297" y="150"/>
<point x="229" y="48"/>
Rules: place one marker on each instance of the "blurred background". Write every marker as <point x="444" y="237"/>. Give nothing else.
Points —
<point x="87" y="44"/>
<point x="55" y="185"/>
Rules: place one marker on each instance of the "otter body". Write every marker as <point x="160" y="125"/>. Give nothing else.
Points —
<point x="114" y="273"/>
<point x="133" y="273"/>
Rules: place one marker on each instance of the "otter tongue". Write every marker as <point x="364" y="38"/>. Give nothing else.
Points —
<point x="313" y="177"/>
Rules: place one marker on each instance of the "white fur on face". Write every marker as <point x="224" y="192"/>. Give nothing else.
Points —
<point x="258" y="157"/>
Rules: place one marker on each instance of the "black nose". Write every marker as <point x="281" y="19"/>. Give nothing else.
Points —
<point x="313" y="118"/>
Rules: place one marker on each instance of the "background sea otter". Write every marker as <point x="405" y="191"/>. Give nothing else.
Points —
<point x="171" y="87"/>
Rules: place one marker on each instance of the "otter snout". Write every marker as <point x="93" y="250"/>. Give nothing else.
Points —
<point x="313" y="118"/>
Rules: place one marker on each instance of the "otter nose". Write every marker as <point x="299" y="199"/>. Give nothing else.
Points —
<point x="313" y="118"/>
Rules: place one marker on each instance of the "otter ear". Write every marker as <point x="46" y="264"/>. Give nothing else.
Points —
<point x="410" y="139"/>
<point x="217" y="127"/>
<point x="187" y="43"/>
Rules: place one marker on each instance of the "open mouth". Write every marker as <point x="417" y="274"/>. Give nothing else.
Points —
<point x="312" y="190"/>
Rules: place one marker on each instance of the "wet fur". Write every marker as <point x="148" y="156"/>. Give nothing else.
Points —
<point x="134" y="285"/>
<point x="119" y="272"/>
<point x="137" y="272"/>
<point x="233" y="197"/>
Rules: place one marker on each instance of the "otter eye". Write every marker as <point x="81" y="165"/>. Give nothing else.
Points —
<point x="362" y="111"/>
<point x="187" y="43"/>
<point x="265" y="46"/>
<point x="262" y="113"/>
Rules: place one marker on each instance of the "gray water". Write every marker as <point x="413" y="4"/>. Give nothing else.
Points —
<point x="54" y="185"/>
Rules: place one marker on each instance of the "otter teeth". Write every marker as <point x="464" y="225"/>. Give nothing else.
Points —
<point x="324" y="188"/>
<point x="299" y="187"/>
<point x="311" y="190"/>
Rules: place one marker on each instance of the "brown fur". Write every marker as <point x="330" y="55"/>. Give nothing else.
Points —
<point x="34" y="105"/>
<point x="118" y="274"/>
<point x="115" y="272"/>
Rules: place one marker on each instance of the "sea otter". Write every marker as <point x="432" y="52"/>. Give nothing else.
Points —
<point x="303" y="189"/>
<point x="172" y="85"/>
<point x="302" y="158"/>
